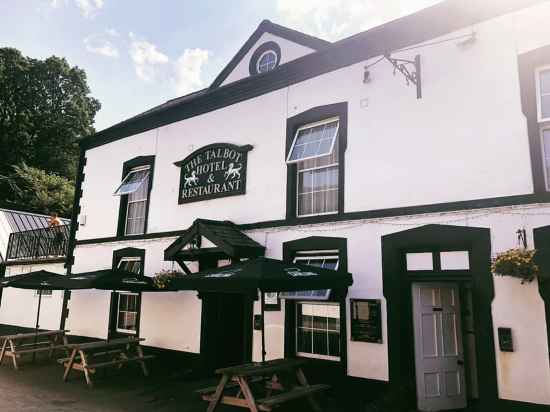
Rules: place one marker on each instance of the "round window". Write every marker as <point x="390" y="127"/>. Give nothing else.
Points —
<point x="267" y="61"/>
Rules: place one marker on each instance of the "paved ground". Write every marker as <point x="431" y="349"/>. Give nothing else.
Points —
<point x="38" y="387"/>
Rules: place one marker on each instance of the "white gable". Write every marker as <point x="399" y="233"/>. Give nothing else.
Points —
<point x="289" y="51"/>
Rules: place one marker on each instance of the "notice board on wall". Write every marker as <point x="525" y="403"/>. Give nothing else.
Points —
<point x="366" y="320"/>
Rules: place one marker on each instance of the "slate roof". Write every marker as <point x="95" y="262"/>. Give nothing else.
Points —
<point x="224" y="234"/>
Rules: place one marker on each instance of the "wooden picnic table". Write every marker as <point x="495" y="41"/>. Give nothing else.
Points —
<point x="281" y="381"/>
<point x="32" y="342"/>
<point x="90" y="356"/>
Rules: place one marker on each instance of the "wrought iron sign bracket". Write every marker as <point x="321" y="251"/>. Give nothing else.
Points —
<point x="410" y="69"/>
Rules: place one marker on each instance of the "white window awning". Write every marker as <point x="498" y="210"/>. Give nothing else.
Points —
<point x="314" y="140"/>
<point x="133" y="181"/>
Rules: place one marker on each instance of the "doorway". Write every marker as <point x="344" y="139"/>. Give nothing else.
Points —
<point x="226" y="330"/>
<point x="439" y="352"/>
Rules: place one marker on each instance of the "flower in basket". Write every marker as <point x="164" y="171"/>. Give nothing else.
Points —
<point x="518" y="263"/>
<point x="163" y="278"/>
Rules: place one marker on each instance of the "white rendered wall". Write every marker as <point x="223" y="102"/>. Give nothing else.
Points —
<point x="289" y="51"/>
<point x="5" y="230"/>
<point x="456" y="143"/>
<point x="168" y="320"/>
<point x="19" y="306"/>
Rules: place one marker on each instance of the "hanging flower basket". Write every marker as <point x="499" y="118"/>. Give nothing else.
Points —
<point x="163" y="278"/>
<point x="518" y="263"/>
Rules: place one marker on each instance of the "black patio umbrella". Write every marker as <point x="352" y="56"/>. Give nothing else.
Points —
<point x="37" y="280"/>
<point x="108" y="279"/>
<point x="267" y="275"/>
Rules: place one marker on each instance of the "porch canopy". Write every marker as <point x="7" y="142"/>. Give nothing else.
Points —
<point x="265" y="274"/>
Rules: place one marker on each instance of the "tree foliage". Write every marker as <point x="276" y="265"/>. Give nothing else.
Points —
<point x="45" y="108"/>
<point x="42" y="191"/>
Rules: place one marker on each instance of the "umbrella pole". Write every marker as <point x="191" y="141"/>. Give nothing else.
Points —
<point x="262" y="300"/>
<point x="37" y="319"/>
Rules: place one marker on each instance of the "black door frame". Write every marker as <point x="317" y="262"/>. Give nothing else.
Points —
<point x="397" y="291"/>
<point x="541" y="237"/>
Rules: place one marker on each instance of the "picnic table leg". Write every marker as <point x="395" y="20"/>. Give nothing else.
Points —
<point x="139" y="351"/>
<point x="247" y="394"/>
<point x="87" y="373"/>
<point x="310" y="398"/>
<point x="218" y="394"/>
<point x="13" y="355"/>
<point x="3" y="352"/>
<point x="69" y="365"/>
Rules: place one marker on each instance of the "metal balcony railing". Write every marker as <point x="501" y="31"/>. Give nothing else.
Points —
<point x="39" y="243"/>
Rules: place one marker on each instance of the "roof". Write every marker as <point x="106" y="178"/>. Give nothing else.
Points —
<point x="426" y="24"/>
<point x="224" y="234"/>
<point x="21" y="221"/>
<point x="266" y="26"/>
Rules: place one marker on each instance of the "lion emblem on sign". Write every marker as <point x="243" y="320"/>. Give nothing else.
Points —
<point x="233" y="172"/>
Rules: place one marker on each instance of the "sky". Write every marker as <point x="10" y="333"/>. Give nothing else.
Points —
<point x="139" y="53"/>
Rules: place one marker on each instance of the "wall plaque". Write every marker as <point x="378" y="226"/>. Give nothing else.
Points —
<point x="213" y="171"/>
<point x="366" y="320"/>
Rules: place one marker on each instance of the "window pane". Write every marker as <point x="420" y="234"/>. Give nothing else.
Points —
<point x="132" y="181"/>
<point x="545" y="82"/>
<point x="320" y="343"/>
<point x="334" y="344"/>
<point x="304" y="341"/>
<point x="313" y="142"/>
<point x="545" y="106"/>
<point x="305" y="206"/>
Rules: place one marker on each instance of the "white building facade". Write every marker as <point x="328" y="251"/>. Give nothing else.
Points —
<point x="319" y="153"/>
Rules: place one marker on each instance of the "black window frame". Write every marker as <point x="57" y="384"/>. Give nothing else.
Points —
<point x="123" y="206"/>
<point x="312" y="244"/>
<point x="118" y="255"/>
<point x="293" y="123"/>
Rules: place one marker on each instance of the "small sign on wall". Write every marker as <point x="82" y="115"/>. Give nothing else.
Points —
<point x="213" y="171"/>
<point x="366" y="320"/>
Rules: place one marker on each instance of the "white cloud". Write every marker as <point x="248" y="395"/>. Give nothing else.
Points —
<point x="100" y="44"/>
<point x="336" y="19"/>
<point x="184" y="74"/>
<point x="147" y="58"/>
<point x="188" y="70"/>
<point x="89" y="8"/>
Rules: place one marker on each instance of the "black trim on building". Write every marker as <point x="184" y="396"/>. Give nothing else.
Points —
<point x="429" y="23"/>
<point x="72" y="232"/>
<point x="397" y="291"/>
<point x="269" y="27"/>
<point x="527" y="64"/>
<point x="316" y="114"/>
<point x="350" y="216"/>
<point x="337" y="370"/>
<point x="270" y="45"/>
<point x="541" y="237"/>
<point x="113" y="308"/>
<point x="123" y="206"/>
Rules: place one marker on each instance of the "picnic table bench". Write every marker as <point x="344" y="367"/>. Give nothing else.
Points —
<point x="277" y="388"/>
<point x="91" y="356"/>
<point x="32" y="342"/>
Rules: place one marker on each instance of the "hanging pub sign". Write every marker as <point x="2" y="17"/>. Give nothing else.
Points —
<point x="213" y="171"/>
<point x="366" y="320"/>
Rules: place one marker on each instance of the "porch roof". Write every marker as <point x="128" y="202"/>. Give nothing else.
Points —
<point x="229" y="241"/>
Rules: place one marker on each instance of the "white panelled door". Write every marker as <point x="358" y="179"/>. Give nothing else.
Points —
<point x="439" y="356"/>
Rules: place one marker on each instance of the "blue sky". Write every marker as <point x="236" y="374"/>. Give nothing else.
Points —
<point x="140" y="53"/>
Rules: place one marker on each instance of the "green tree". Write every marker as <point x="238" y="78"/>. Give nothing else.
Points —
<point x="45" y="108"/>
<point x="42" y="191"/>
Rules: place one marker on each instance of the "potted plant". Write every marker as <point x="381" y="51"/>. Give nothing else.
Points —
<point x="518" y="263"/>
<point x="163" y="278"/>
